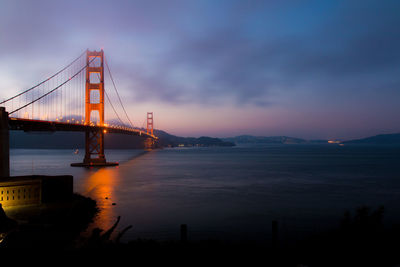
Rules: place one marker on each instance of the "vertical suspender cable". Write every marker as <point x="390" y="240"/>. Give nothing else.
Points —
<point x="115" y="88"/>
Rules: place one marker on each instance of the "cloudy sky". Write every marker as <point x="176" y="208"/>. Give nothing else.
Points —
<point x="311" y="69"/>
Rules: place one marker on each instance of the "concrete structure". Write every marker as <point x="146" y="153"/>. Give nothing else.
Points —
<point x="27" y="190"/>
<point x="4" y="144"/>
<point x="35" y="190"/>
<point x="20" y="191"/>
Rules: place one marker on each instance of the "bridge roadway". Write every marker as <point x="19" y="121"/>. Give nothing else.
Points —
<point x="29" y="125"/>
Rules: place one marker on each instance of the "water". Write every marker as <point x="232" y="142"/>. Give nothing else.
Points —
<point x="229" y="193"/>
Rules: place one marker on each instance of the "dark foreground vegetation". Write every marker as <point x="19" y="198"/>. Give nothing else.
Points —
<point x="50" y="226"/>
<point x="359" y="240"/>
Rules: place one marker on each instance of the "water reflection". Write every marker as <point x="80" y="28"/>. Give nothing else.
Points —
<point x="101" y="186"/>
<point x="229" y="192"/>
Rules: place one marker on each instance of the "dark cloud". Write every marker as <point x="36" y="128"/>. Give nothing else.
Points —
<point x="235" y="51"/>
<point x="352" y="51"/>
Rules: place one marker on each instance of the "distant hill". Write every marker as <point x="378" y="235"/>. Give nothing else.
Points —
<point x="382" y="139"/>
<point x="167" y="139"/>
<point x="73" y="140"/>
<point x="270" y="140"/>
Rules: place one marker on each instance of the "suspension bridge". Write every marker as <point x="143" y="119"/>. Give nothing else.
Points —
<point x="73" y="99"/>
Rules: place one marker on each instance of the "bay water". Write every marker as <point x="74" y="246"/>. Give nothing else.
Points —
<point x="229" y="193"/>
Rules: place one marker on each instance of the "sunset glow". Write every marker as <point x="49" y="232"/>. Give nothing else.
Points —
<point x="262" y="68"/>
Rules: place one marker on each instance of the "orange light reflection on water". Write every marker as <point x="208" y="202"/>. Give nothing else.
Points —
<point x="101" y="187"/>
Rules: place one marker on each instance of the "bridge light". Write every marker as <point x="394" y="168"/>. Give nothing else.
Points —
<point x="104" y="131"/>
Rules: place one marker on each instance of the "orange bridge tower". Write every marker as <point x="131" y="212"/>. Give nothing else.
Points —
<point x="94" y="102"/>
<point x="150" y="123"/>
<point x="149" y="142"/>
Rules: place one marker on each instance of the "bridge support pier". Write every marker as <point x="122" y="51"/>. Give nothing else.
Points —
<point x="4" y="144"/>
<point x="149" y="143"/>
<point x="94" y="142"/>
<point x="94" y="146"/>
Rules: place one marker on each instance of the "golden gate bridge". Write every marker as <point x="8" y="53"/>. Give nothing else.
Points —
<point x="72" y="99"/>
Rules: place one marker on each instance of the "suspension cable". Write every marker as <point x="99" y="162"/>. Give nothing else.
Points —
<point x="33" y="101"/>
<point x="113" y="107"/>
<point x="43" y="81"/>
<point x="109" y="101"/>
<point x="115" y="88"/>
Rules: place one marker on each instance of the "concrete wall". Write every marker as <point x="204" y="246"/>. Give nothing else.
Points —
<point x="4" y="144"/>
<point x="35" y="190"/>
<point x="17" y="193"/>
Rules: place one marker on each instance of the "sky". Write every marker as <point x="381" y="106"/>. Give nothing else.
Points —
<point x="309" y="69"/>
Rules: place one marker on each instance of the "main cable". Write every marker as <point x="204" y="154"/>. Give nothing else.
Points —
<point x="51" y="77"/>
<point x="33" y="101"/>
<point x="109" y="100"/>
<point x="112" y="106"/>
<point x="115" y="88"/>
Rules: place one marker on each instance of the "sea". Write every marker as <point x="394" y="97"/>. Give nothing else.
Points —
<point x="229" y="193"/>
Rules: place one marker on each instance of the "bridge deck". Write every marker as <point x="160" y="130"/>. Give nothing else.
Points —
<point x="29" y="125"/>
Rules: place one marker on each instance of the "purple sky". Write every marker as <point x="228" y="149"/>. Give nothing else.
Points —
<point x="311" y="69"/>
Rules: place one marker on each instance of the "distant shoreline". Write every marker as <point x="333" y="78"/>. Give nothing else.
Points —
<point x="73" y="140"/>
<point x="383" y="139"/>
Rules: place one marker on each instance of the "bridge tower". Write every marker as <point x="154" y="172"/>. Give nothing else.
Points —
<point x="94" y="101"/>
<point x="150" y="123"/>
<point x="94" y="139"/>
<point x="149" y="142"/>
